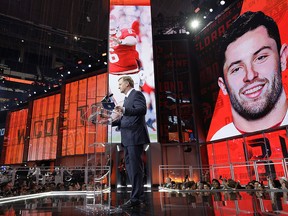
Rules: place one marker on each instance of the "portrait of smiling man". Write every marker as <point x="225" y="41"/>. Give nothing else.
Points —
<point x="252" y="61"/>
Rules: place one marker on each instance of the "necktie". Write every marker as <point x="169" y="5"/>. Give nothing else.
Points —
<point x="125" y="100"/>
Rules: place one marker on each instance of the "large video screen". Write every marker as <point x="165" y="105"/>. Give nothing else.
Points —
<point x="253" y="71"/>
<point x="15" y="136"/>
<point x="82" y="98"/>
<point x="131" y="53"/>
<point x="44" y="128"/>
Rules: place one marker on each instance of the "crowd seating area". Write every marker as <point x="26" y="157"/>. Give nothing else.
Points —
<point x="24" y="181"/>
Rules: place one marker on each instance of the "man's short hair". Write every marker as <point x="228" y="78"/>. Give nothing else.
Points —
<point x="243" y="24"/>
<point x="127" y="79"/>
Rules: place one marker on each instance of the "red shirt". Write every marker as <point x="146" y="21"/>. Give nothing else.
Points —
<point x="123" y="59"/>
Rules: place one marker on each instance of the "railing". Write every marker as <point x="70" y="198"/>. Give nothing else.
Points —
<point x="241" y="171"/>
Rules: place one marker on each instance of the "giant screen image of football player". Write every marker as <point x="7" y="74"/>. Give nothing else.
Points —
<point x="131" y="53"/>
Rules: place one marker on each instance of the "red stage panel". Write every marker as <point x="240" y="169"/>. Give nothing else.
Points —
<point x="44" y="126"/>
<point x="130" y="2"/>
<point x="14" y="143"/>
<point x="80" y="98"/>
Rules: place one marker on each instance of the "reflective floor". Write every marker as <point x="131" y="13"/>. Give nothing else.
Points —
<point x="159" y="203"/>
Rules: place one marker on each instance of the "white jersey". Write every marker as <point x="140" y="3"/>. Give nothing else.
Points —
<point x="230" y="130"/>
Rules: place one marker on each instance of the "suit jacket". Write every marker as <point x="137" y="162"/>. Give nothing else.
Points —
<point x="132" y="125"/>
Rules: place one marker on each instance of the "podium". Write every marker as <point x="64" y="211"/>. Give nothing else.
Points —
<point x="98" y="152"/>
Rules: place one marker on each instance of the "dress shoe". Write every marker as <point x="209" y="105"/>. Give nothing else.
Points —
<point x="131" y="204"/>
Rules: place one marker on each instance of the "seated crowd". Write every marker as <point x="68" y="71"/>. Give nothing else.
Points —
<point x="273" y="183"/>
<point x="30" y="184"/>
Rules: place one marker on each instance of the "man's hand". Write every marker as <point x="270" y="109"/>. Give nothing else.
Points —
<point x="104" y="121"/>
<point x="119" y="109"/>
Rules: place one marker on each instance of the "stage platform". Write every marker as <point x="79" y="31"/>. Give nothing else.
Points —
<point x="159" y="202"/>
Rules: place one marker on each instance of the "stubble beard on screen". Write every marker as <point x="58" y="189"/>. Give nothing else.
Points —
<point x="258" y="108"/>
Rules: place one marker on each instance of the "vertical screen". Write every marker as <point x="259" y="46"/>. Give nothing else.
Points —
<point x="44" y="126"/>
<point x="14" y="144"/>
<point x="131" y="53"/>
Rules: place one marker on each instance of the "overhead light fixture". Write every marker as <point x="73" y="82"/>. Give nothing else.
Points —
<point x="197" y="10"/>
<point x="211" y="10"/>
<point x="222" y="2"/>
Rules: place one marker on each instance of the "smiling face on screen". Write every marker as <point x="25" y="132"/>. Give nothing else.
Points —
<point x="252" y="74"/>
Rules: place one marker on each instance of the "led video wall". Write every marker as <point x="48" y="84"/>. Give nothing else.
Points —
<point x="44" y="128"/>
<point x="251" y="95"/>
<point x="15" y="136"/>
<point x="254" y="74"/>
<point x="82" y="98"/>
<point x="131" y="53"/>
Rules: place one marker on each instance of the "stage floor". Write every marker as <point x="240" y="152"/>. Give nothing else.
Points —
<point x="158" y="203"/>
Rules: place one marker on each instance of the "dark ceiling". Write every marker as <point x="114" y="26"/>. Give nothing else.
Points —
<point x="42" y="41"/>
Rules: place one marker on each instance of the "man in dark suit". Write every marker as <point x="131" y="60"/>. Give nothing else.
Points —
<point x="134" y="135"/>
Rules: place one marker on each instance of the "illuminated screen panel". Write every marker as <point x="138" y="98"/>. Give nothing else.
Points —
<point x="250" y="96"/>
<point x="81" y="99"/>
<point x="44" y="126"/>
<point x="16" y="137"/>
<point x="131" y="53"/>
<point x="265" y="152"/>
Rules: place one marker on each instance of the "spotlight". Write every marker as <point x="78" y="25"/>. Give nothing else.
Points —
<point x="222" y="2"/>
<point x="195" y="24"/>
<point x="211" y="10"/>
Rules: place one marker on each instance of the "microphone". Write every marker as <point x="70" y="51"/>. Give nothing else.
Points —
<point x="107" y="98"/>
<point x="108" y="102"/>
